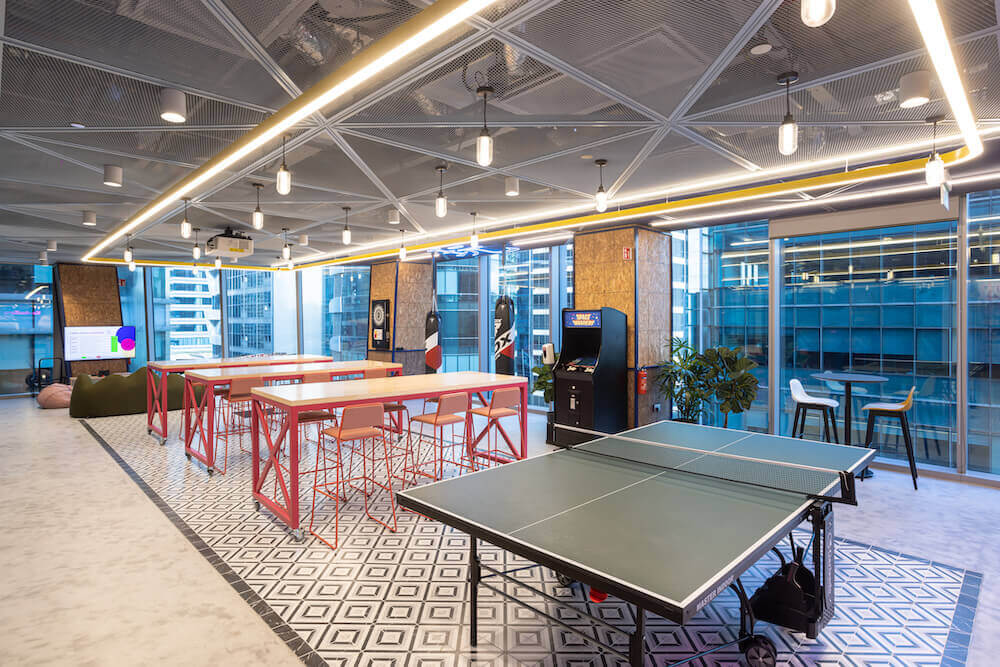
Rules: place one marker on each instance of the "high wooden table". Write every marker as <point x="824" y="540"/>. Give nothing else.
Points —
<point x="157" y="372"/>
<point x="293" y="399"/>
<point x="199" y="416"/>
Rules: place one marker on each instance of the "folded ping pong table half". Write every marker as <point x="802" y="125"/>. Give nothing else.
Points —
<point x="665" y="517"/>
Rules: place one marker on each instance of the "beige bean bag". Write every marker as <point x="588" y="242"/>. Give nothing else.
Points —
<point x="54" y="396"/>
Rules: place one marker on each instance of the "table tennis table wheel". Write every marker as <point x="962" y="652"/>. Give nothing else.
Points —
<point x="759" y="651"/>
<point x="565" y="580"/>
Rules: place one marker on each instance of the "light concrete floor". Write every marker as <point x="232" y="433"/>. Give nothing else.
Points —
<point x="95" y="574"/>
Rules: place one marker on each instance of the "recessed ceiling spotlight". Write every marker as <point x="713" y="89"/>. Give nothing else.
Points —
<point x="761" y="49"/>
<point x="52" y="246"/>
<point x="173" y="105"/>
<point x="113" y="175"/>
<point x="393" y="217"/>
<point x="89" y="218"/>
<point x="914" y="89"/>
<point x="512" y="186"/>
<point x="78" y="126"/>
<point x="586" y="156"/>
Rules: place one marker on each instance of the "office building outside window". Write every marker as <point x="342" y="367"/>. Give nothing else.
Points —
<point x="458" y="305"/>
<point x="334" y="311"/>
<point x="255" y="301"/>
<point x="132" y="295"/>
<point x="25" y="324"/>
<point x="187" y="318"/>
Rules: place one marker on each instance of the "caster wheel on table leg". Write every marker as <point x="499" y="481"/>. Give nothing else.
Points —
<point x="564" y="580"/>
<point x="188" y="456"/>
<point x="759" y="651"/>
<point x="256" y="505"/>
<point x="298" y="535"/>
<point x="210" y="472"/>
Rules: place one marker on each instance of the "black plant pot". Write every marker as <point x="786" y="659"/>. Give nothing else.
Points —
<point x="686" y="421"/>
<point x="550" y="435"/>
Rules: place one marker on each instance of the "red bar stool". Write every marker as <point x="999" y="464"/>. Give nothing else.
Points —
<point x="361" y="424"/>
<point x="449" y="407"/>
<point x="503" y="403"/>
<point x="235" y="419"/>
<point x="317" y="417"/>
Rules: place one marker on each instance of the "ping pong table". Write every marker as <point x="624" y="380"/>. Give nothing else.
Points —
<point x="665" y="517"/>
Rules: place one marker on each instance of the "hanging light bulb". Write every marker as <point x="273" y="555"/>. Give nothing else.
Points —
<point x="934" y="172"/>
<point x="131" y="265"/>
<point x="484" y="142"/>
<point x="218" y="262"/>
<point x="788" y="133"/>
<point x="196" y="249"/>
<point x="185" y="223"/>
<point x="286" y="250"/>
<point x="474" y="239"/>
<point x="258" y="216"/>
<point x="346" y="235"/>
<point x="601" y="197"/>
<point x="441" y="202"/>
<point x="127" y="254"/>
<point x="817" y="12"/>
<point x="283" y="179"/>
<point x="402" y="244"/>
<point x="393" y="217"/>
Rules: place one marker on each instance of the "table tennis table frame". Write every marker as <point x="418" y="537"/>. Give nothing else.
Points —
<point x="286" y="508"/>
<point x="819" y="513"/>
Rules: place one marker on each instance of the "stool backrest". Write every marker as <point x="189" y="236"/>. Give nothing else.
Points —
<point x="799" y="394"/>
<point x="369" y="415"/>
<point x="451" y="404"/>
<point x="506" y="398"/>
<point x="316" y="376"/>
<point x="376" y="373"/>
<point x="908" y="401"/>
<point x="242" y="386"/>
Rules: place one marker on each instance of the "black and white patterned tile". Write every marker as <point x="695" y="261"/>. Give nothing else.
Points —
<point x="385" y="598"/>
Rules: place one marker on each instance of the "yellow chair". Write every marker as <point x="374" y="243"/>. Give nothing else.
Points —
<point x="895" y="411"/>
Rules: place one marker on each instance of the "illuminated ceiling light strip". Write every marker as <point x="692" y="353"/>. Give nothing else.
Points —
<point x="423" y="28"/>
<point x="188" y="264"/>
<point x="931" y="27"/>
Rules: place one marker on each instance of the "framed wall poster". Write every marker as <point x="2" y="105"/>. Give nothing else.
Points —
<point x="380" y="324"/>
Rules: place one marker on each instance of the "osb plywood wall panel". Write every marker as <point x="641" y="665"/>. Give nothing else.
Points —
<point x="413" y="301"/>
<point x="603" y="278"/>
<point x="90" y="299"/>
<point x="653" y="290"/>
<point x="383" y="286"/>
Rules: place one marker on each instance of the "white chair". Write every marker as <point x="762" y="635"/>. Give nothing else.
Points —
<point x="804" y="403"/>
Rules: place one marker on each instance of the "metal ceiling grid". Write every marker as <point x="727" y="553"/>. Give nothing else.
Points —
<point x="177" y="41"/>
<point x="651" y="50"/>
<point x="525" y="89"/>
<point x="25" y="193"/>
<point x="40" y="90"/>
<point x="862" y="32"/>
<point x="871" y="97"/>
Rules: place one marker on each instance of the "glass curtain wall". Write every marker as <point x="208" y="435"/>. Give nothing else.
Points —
<point x="25" y="324"/>
<point x="335" y="311"/>
<point x="458" y="305"/>
<point x="720" y="286"/>
<point x="882" y="302"/>
<point x="132" y="296"/>
<point x="526" y="277"/>
<point x="187" y="316"/>
<point x="984" y="331"/>
<point x="255" y="301"/>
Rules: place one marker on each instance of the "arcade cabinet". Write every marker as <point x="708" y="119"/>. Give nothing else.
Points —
<point x="591" y="374"/>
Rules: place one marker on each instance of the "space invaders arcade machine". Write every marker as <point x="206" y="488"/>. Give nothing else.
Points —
<point x="591" y="378"/>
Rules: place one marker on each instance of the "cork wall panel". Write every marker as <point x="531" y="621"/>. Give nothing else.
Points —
<point x="383" y="286"/>
<point x="413" y="301"/>
<point x="89" y="295"/>
<point x="653" y="291"/>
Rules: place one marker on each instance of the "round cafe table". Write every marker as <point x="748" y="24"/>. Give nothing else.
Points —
<point x="848" y="378"/>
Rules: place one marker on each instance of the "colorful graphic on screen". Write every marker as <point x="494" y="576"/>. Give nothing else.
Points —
<point x="125" y="339"/>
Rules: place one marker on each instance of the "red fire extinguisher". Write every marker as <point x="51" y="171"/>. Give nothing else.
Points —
<point x="643" y="384"/>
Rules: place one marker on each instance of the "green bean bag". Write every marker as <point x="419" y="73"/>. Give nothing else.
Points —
<point x="121" y="395"/>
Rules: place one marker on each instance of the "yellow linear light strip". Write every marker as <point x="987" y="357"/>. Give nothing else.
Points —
<point x="420" y="30"/>
<point x="189" y="265"/>
<point x="931" y="26"/>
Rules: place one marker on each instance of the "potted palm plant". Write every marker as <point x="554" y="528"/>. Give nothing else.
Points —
<point x="545" y="383"/>
<point x="727" y="372"/>
<point x="682" y="380"/>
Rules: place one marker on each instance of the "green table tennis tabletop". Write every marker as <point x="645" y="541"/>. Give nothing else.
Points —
<point x="627" y="512"/>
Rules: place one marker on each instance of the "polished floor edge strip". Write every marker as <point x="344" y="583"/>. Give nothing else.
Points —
<point x="295" y="643"/>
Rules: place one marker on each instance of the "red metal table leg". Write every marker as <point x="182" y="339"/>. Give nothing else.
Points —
<point x="524" y="421"/>
<point x="202" y="424"/>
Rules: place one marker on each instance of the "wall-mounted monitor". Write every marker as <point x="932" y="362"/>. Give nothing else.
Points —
<point x="87" y="343"/>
